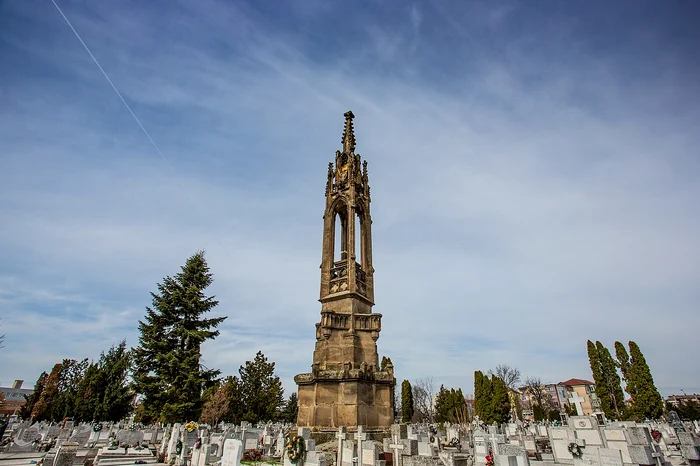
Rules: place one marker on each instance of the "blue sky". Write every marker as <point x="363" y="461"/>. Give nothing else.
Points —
<point x="534" y="169"/>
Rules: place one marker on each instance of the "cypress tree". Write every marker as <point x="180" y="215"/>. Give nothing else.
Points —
<point x="406" y="401"/>
<point x="500" y="401"/>
<point x="168" y="372"/>
<point x="647" y="400"/>
<point x="479" y="394"/>
<point x="601" y="386"/>
<point x="616" y="400"/>
<point x="623" y="362"/>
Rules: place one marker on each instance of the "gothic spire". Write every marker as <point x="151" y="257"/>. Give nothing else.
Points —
<point x="348" y="134"/>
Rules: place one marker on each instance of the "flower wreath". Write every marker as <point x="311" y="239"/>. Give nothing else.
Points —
<point x="656" y="435"/>
<point x="295" y="449"/>
<point x="198" y="443"/>
<point x="178" y="447"/>
<point x="132" y="426"/>
<point x="454" y="442"/>
<point x="191" y="426"/>
<point x="574" y="449"/>
<point x="432" y="439"/>
<point x="96" y="427"/>
<point x="489" y="460"/>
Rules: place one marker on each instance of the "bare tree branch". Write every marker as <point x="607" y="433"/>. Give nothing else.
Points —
<point x="423" y="393"/>
<point x="510" y="375"/>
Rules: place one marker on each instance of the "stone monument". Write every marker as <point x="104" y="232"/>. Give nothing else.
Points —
<point x="346" y="385"/>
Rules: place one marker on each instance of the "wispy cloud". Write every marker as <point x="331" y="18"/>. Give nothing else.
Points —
<point x="530" y="190"/>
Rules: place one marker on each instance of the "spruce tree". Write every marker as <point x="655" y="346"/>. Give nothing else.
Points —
<point x="647" y="400"/>
<point x="442" y="405"/>
<point x="406" y="401"/>
<point x="291" y="409"/>
<point x="115" y="400"/>
<point x="616" y="401"/>
<point x="168" y="370"/>
<point x="261" y="390"/>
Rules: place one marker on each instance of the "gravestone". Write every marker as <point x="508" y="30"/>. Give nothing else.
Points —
<point x="279" y="444"/>
<point x="233" y="452"/>
<point x="81" y="436"/>
<point x="560" y="438"/>
<point x="511" y="455"/>
<point x="640" y="448"/>
<point x="205" y="457"/>
<point x="690" y="447"/>
<point x="29" y="435"/>
<point x="172" y="442"/>
<point x="190" y="438"/>
<point x="370" y="454"/>
<point x="587" y="429"/>
<point x="481" y="449"/>
<point x="65" y="456"/>
<point x="598" y="456"/>
<point x="342" y="437"/>
<point x="617" y="439"/>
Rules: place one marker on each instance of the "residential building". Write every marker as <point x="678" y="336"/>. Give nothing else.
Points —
<point x="673" y="400"/>
<point x="584" y="392"/>
<point x="14" y="398"/>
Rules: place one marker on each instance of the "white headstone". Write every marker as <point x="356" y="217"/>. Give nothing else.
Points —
<point x="233" y="452"/>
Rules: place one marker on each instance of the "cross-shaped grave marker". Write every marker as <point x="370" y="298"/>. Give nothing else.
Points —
<point x="360" y="436"/>
<point x="576" y="399"/>
<point x="396" y="448"/>
<point x="342" y="436"/>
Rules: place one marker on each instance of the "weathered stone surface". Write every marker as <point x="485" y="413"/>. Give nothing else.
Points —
<point x="346" y="386"/>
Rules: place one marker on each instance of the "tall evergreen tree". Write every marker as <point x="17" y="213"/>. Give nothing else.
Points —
<point x="647" y="400"/>
<point x="601" y="385"/>
<point x="482" y="397"/>
<point x="234" y="393"/>
<point x="406" y="401"/>
<point x="442" y="405"/>
<point x="500" y="401"/>
<point x="115" y="401"/>
<point x="612" y="382"/>
<point x="88" y="398"/>
<point x="291" y="409"/>
<point x="168" y="371"/>
<point x="49" y="395"/>
<point x="25" y="411"/>
<point x="261" y="390"/>
<point x="623" y="362"/>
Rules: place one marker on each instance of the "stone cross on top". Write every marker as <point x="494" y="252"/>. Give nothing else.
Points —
<point x="576" y="399"/>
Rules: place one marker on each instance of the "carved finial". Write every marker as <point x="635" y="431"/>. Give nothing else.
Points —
<point x="348" y="133"/>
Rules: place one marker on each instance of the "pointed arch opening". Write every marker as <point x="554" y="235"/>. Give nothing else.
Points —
<point x="359" y="241"/>
<point x="340" y="233"/>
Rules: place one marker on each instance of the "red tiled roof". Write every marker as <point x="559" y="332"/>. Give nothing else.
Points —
<point x="572" y="382"/>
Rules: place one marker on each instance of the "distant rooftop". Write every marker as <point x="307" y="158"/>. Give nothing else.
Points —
<point x="573" y="382"/>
